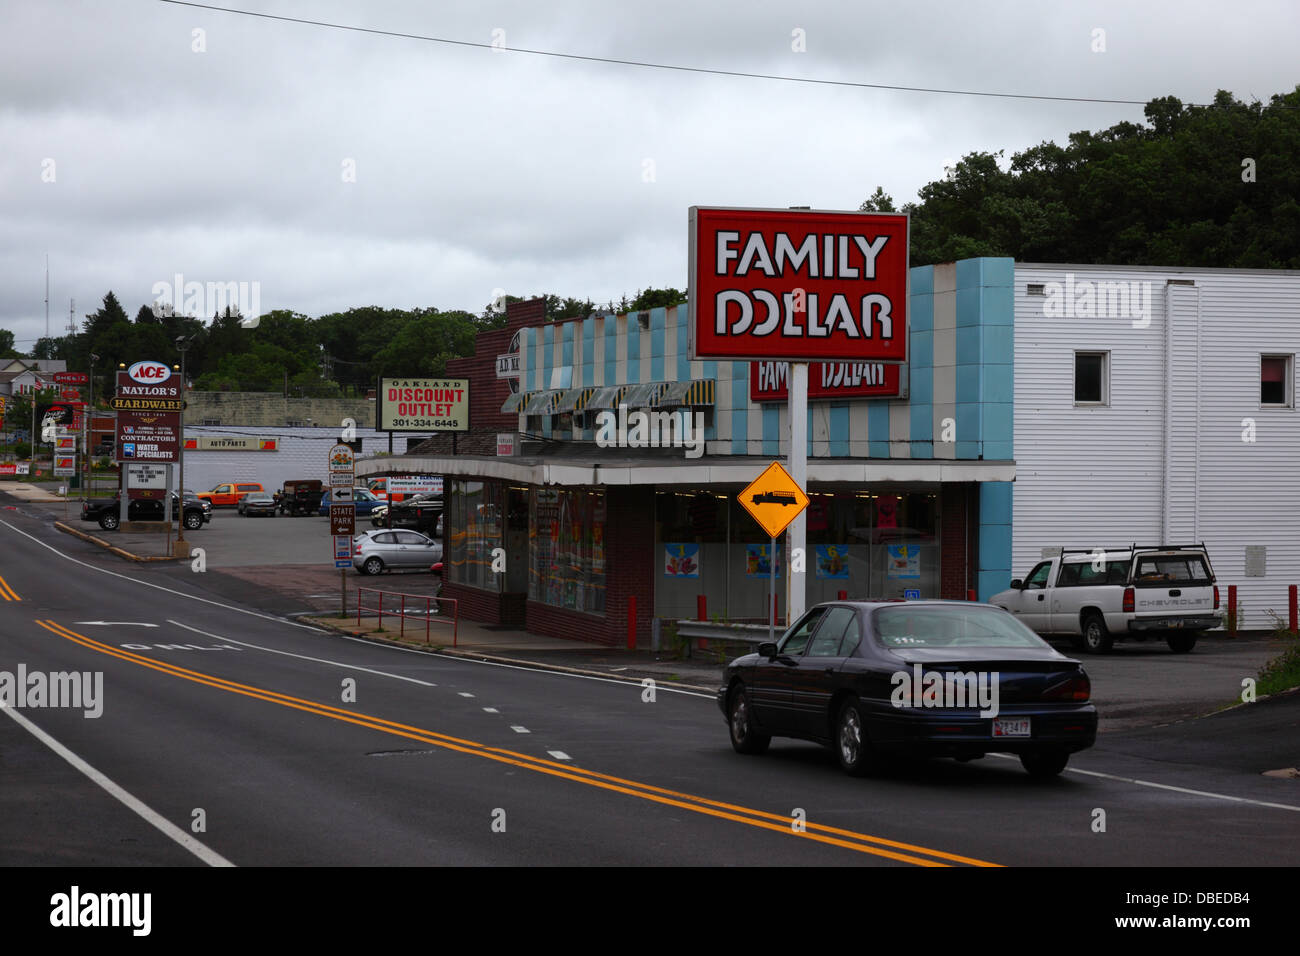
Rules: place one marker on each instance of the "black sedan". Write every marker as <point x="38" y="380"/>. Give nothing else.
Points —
<point x="927" y="678"/>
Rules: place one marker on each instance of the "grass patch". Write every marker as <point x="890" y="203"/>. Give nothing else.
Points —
<point x="1282" y="672"/>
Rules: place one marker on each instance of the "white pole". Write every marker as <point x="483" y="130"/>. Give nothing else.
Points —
<point x="796" y="588"/>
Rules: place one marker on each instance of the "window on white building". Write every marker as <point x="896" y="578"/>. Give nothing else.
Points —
<point x="1275" y="381"/>
<point x="1091" y="378"/>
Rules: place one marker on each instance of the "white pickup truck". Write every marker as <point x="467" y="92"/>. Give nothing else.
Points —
<point x="1100" y="595"/>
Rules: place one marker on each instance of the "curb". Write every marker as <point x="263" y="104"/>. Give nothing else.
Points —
<point x="516" y="662"/>
<point x="112" y="548"/>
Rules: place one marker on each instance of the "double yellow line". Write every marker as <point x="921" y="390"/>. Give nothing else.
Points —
<point x="819" y="833"/>
<point x="7" y="592"/>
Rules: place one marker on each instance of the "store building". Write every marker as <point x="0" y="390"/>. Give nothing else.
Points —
<point x="1042" y="406"/>
<point x="911" y="493"/>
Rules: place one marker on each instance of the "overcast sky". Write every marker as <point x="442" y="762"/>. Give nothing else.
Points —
<point x="478" y="170"/>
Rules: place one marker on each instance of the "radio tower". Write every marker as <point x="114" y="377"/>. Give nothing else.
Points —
<point x="47" y="295"/>
<point x="72" y="325"/>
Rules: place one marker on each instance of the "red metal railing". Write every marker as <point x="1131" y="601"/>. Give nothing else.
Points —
<point x="428" y="615"/>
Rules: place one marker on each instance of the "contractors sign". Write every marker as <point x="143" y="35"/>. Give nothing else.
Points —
<point x="798" y="285"/>
<point x="149" y="403"/>
<point x="827" y="381"/>
<point x="422" y="405"/>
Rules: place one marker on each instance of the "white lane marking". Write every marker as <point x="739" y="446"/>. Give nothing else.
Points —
<point x="1168" y="786"/>
<point x="304" y="657"/>
<point x="491" y="710"/>
<point x="347" y="637"/>
<point x="158" y="587"/>
<point x="520" y="730"/>
<point x="463" y="694"/>
<point x="150" y="816"/>
<point x="111" y="623"/>
<point x="559" y="755"/>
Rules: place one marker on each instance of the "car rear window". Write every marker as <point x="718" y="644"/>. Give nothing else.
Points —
<point x="937" y="626"/>
<point x="250" y="487"/>
<point x="1160" y="570"/>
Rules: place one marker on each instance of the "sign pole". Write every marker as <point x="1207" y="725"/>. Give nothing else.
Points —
<point x="796" y="537"/>
<point x="771" y="592"/>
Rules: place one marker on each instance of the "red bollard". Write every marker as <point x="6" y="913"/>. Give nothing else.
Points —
<point x="1291" y="595"/>
<point x="1232" y="609"/>
<point x="631" y="622"/>
<point x="844" y="596"/>
<point x="970" y="594"/>
<point x="701" y="608"/>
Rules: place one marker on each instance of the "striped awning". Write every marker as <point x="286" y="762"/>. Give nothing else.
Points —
<point x="515" y="403"/>
<point x="644" y="396"/>
<point x="543" y="403"/>
<point x="607" y="396"/>
<point x="575" y="399"/>
<point x="689" y="393"/>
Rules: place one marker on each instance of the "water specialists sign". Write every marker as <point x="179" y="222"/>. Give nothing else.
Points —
<point x="422" y="404"/>
<point x="798" y="285"/>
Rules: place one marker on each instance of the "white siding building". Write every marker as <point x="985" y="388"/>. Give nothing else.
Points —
<point x="1158" y="405"/>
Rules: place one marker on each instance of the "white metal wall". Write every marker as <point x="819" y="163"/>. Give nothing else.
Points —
<point x="1092" y="476"/>
<point x="303" y="453"/>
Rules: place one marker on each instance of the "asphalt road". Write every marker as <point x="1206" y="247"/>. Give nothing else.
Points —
<point x="295" y="747"/>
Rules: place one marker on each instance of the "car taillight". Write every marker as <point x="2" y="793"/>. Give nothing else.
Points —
<point x="1077" y="688"/>
<point x="356" y="548"/>
<point x="1216" y="597"/>
<point x="1129" y="600"/>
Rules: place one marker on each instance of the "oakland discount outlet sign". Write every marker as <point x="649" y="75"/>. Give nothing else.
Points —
<point x="798" y="286"/>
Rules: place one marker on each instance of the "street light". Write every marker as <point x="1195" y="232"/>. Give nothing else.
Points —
<point x="90" y="424"/>
<point x="183" y="343"/>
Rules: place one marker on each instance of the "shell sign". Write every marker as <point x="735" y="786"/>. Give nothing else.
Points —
<point x="798" y="285"/>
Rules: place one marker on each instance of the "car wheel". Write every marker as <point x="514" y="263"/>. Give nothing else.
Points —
<point x="1096" y="639"/>
<point x="852" y="746"/>
<point x="744" y="738"/>
<point x="194" y="521"/>
<point x="1046" y="763"/>
<point x="372" y="566"/>
<point x="109" y="521"/>
<point x="1181" y="643"/>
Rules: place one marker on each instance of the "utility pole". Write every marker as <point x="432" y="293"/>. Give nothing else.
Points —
<point x="183" y="345"/>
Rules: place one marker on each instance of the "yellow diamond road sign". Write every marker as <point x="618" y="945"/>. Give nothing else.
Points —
<point x="774" y="499"/>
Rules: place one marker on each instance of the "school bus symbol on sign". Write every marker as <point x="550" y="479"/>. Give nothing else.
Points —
<point x="774" y="499"/>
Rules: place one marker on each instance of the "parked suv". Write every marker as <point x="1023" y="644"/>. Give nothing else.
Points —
<point x="1098" y="596"/>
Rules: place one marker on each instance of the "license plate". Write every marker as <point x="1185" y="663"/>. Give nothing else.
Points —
<point x="1011" y="728"/>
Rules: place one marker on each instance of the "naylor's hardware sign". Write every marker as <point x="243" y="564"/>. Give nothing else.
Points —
<point x="149" y="403"/>
<point x="797" y="285"/>
<point x="827" y="381"/>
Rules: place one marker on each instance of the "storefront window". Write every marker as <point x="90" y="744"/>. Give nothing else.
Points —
<point x="566" y="537"/>
<point x="475" y="531"/>
<point x="868" y="544"/>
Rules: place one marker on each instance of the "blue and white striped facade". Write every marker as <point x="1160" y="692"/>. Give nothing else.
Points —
<point x="960" y="387"/>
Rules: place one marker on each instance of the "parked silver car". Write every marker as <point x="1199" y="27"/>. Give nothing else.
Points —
<point x="374" y="552"/>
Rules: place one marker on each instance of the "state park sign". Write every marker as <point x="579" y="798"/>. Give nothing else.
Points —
<point x="798" y="285"/>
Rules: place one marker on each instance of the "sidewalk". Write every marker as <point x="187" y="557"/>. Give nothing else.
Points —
<point x="28" y="491"/>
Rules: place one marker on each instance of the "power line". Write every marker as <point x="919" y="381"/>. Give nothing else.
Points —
<point x="661" y="66"/>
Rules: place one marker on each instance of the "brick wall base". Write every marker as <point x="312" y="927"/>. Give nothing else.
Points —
<point x="958" y="534"/>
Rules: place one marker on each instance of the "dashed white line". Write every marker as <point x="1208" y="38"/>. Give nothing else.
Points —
<point x="464" y="694"/>
<point x="520" y="730"/>
<point x="559" y="755"/>
<point x="490" y="710"/>
<point x="148" y="814"/>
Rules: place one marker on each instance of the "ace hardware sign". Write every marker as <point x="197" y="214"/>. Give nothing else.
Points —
<point x="798" y="285"/>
